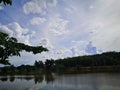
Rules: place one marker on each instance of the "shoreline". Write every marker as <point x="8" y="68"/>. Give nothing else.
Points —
<point x="72" y="70"/>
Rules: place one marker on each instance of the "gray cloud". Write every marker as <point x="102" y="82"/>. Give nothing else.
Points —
<point x="105" y="23"/>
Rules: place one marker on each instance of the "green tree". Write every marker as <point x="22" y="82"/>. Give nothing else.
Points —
<point x="49" y="64"/>
<point x="9" y="46"/>
<point x="39" y="64"/>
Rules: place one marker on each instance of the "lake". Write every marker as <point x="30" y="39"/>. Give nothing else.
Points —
<point x="93" y="81"/>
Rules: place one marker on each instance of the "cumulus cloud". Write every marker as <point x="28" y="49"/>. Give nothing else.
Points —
<point x="79" y="48"/>
<point x="5" y="29"/>
<point x="15" y="30"/>
<point x="37" y="21"/>
<point x="46" y="43"/>
<point x="58" y="26"/>
<point x="38" y="6"/>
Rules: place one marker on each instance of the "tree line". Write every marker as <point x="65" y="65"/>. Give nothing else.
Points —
<point x="99" y="62"/>
<point x="107" y="60"/>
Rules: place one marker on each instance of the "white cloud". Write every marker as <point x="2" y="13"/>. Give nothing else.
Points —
<point x="51" y="3"/>
<point x="56" y="54"/>
<point x="106" y="25"/>
<point x="5" y="29"/>
<point x="15" y="30"/>
<point x="1" y="8"/>
<point x="20" y="33"/>
<point x="98" y="22"/>
<point x="58" y="26"/>
<point x="62" y="53"/>
<point x="38" y="6"/>
<point x="79" y="44"/>
<point x="46" y="43"/>
<point x="80" y="48"/>
<point x="91" y="7"/>
<point x="37" y="21"/>
<point x="71" y="9"/>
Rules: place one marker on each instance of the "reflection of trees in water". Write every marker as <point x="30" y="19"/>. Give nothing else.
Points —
<point x="48" y="77"/>
<point x="38" y="79"/>
<point x="27" y="78"/>
<point x="12" y="78"/>
<point x="4" y="79"/>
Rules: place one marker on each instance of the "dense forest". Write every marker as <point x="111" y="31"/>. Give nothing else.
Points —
<point x="109" y="61"/>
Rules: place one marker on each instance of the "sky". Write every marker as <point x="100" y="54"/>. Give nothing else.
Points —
<point x="68" y="28"/>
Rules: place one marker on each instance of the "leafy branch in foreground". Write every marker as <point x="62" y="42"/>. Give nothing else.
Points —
<point x="6" y="2"/>
<point x="9" y="46"/>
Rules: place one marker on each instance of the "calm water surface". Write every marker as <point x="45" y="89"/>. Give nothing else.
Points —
<point x="99" y="81"/>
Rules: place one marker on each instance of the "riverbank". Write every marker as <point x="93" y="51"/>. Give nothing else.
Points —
<point x="92" y="69"/>
<point x="73" y="70"/>
<point x="105" y="62"/>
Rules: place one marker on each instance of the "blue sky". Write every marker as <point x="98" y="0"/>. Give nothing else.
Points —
<point x="66" y="27"/>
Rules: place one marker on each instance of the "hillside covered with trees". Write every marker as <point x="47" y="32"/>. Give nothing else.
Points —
<point x="105" y="62"/>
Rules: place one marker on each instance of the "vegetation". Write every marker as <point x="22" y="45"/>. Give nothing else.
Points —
<point x="9" y="46"/>
<point x="105" y="59"/>
<point x="99" y="62"/>
<point x="106" y="62"/>
<point x="6" y="2"/>
<point x="48" y="77"/>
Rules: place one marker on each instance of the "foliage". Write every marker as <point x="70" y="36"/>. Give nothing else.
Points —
<point x="105" y="59"/>
<point x="6" y="2"/>
<point x="39" y="64"/>
<point x="49" y="64"/>
<point x="9" y="46"/>
<point x="106" y="62"/>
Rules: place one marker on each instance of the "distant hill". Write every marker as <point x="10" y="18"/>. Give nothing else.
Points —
<point x="90" y="62"/>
